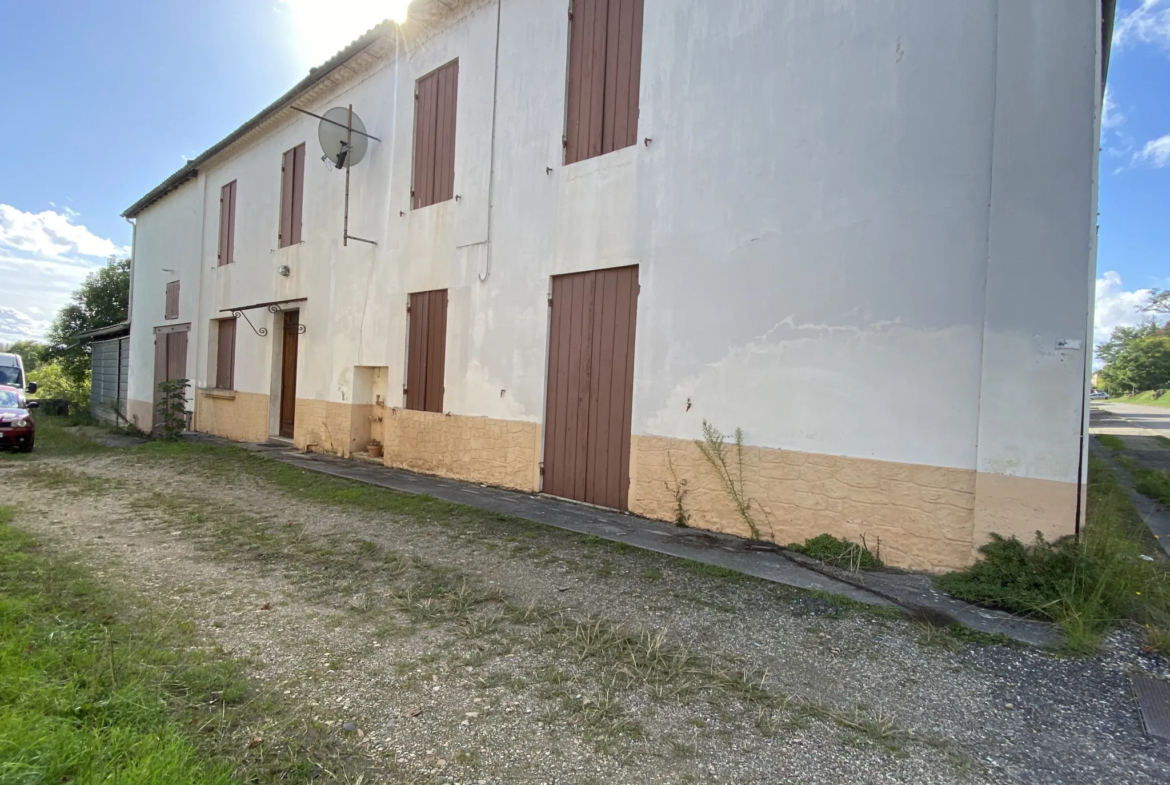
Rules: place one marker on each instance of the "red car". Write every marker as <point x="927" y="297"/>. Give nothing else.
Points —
<point x="17" y="427"/>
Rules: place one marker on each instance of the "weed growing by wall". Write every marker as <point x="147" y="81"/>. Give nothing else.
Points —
<point x="729" y="467"/>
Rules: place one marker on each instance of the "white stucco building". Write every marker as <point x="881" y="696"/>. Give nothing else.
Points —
<point x="864" y="233"/>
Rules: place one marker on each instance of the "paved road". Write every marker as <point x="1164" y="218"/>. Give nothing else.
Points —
<point x="1130" y="419"/>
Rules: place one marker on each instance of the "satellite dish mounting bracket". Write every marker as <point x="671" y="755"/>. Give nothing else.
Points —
<point x="343" y="153"/>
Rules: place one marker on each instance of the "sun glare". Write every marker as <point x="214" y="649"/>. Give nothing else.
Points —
<point x="323" y="27"/>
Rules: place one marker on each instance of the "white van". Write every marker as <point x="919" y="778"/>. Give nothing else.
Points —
<point x="12" y="373"/>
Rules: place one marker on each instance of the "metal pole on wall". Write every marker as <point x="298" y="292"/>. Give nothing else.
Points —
<point x="348" y="146"/>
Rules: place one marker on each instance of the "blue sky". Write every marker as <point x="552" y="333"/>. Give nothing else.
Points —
<point x="103" y="100"/>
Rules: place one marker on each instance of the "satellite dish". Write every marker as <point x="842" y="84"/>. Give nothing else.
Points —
<point x="341" y="147"/>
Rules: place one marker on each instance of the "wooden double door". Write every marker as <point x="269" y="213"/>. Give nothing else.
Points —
<point x="590" y="388"/>
<point x="170" y="361"/>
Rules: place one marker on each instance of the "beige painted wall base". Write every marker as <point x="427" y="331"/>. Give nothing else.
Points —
<point x="242" y="417"/>
<point x="1022" y="506"/>
<point x="922" y="517"/>
<point x="477" y="449"/>
<point x="141" y="413"/>
<point x="331" y="427"/>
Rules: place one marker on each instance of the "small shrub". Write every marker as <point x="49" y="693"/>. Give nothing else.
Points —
<point x="172" y="408"/>
<point x="838" y="552"/>
<point x="682" y="516"/>
<point x="1085" y="584"/>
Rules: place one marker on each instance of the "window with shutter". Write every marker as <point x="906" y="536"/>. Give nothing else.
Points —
<point x="426" y="353"/>
<point x="292" y="192"/>
<point x="605" y="73"/>
<point x="435" y="102"/>
<point x="225" y="354"/>
<point x="227" y="224"/>
<point x="171" y="309"/>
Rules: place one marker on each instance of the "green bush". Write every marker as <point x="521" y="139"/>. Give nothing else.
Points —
<point x="838" y="552"/>
<point x="1086" y="584"/>
<point x="54" y="383"/>
<point x="1021" y="578"/>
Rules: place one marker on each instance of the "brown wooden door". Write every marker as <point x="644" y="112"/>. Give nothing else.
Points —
<point x="170" y="361"/>
<point x="590" y="391"/>
<point x="288" y="374"/>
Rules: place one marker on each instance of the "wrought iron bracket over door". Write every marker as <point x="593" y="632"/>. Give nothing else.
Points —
<point x="274" y="307"/>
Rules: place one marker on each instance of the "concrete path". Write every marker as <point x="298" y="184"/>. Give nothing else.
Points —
<point x="1129" y="419"/>
<point x="914" y="593"/>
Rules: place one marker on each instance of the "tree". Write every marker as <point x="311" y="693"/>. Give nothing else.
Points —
<point x="102" y="300"/>
<point x="1143" y="364"/>
<point x="31" y="353"/>
<point x="1158" y="302"/>
<point x="53" y="383"/>
<point x="1122" y="337"/>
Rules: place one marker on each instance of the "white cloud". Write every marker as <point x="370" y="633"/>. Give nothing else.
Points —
<point x="1110" y="117"/>
<point x="1156" y="153"/>
<point x="43" y="258"/>
<point x="50" y="235"/>
<point x="18" y="326"/>
<point x="1147" y="23"/>
<point x="1116" y="307"/>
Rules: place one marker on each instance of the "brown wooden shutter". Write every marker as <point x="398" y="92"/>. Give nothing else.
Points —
<point x="227" y="223"/>
<point x="436" y="104"/>
<point x="231" y="244"/>
<point x="298" y="196"/>
<point x="171" y="309"/>
<point x="605" y="70"/>
<point x="292" y="195"/>
<point x="287" y="168"/>
<point x="426" y="354"/>
<point x="225" y="355"/>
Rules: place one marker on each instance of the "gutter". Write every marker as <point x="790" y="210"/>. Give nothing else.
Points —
<point x="1108" y="12"/>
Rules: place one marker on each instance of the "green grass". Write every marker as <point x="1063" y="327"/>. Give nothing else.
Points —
<point x="1154" y="483"/>
<point x="1110" y="441"/>
<point x="1085" y="585"/>
<point x="57" y="436"/>
<point x="1146" y="398"/>
<point x="77" y="701"/>
<point x="838" y="552"/>
<point x="94" y="690"/>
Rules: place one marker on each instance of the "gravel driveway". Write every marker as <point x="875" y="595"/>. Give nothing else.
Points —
<point x="455" y="646"/>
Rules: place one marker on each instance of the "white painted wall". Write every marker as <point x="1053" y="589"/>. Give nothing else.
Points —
<point x="860" y="226"/>
<point x="167" y="248"/>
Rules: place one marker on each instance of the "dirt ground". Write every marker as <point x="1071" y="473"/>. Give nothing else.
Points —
<point x="462" y="647"/>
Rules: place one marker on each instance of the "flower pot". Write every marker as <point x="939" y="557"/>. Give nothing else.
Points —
<point x="375" y="450"/>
